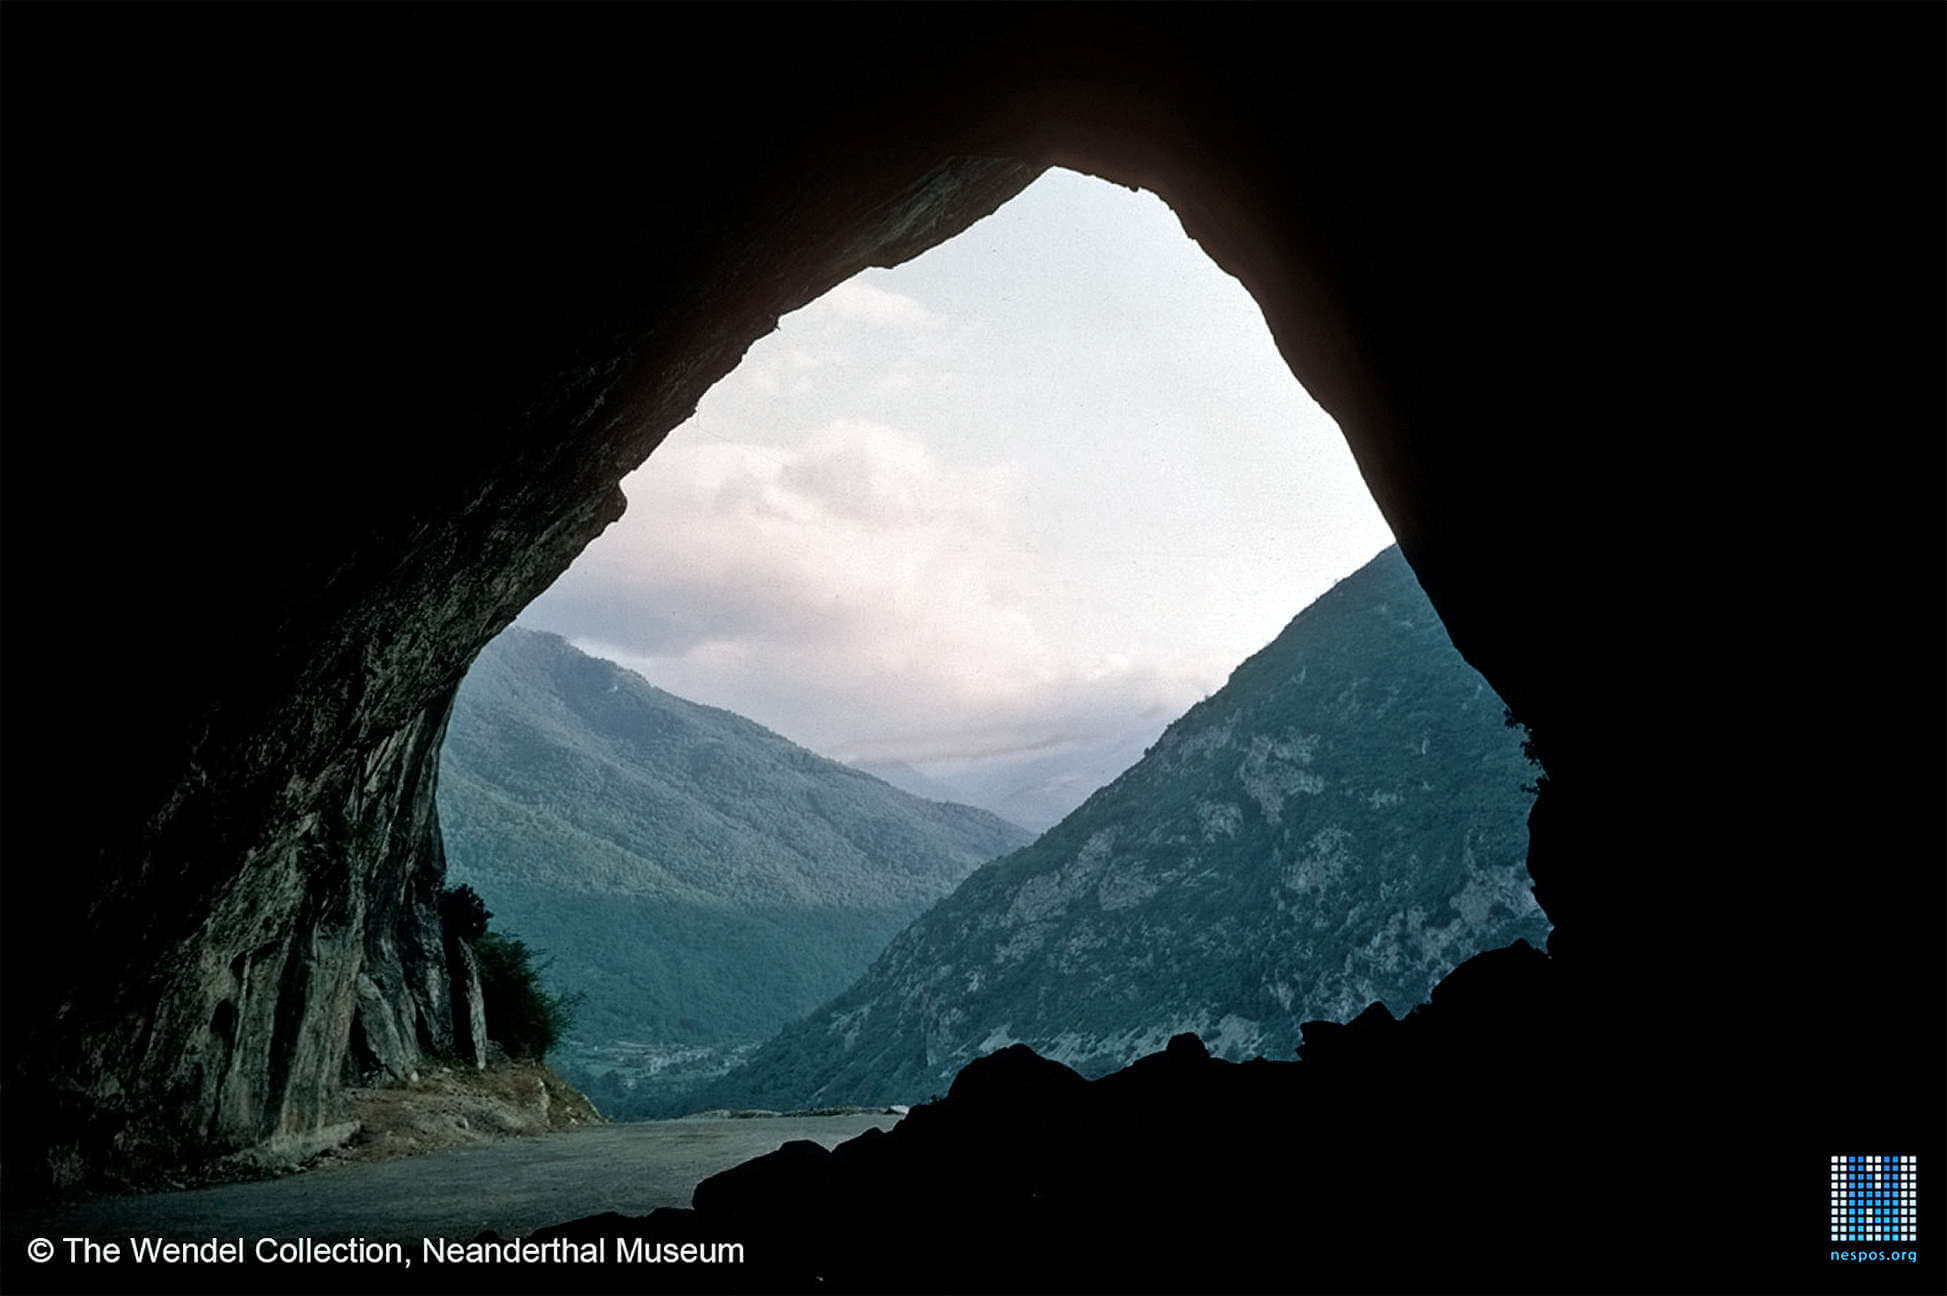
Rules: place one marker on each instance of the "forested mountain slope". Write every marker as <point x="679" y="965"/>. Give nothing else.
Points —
<point x="700" y="879"/>
<point x="1343" y="822"/>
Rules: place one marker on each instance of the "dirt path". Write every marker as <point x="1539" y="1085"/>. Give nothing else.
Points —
<point x="512" y="1187"/>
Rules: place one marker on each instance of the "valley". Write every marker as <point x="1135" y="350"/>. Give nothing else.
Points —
<point x="699" y="880"/>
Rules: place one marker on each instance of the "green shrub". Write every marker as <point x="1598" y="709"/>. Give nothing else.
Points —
<point x="525" y="1019"/>
<point x="463" y="913"/>
<point x="522" y="1018"/>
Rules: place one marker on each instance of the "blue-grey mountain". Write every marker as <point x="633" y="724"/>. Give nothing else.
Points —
<point x="701" y="880"/>
<point x="1343" y="823"/>
<point x="1036" y="789"/>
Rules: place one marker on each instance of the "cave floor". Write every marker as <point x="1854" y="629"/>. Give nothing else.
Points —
<point x="511" y="1187"/>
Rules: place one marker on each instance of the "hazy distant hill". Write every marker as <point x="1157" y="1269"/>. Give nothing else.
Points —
<point x="1034" y="789"/>
<point x="702" y="879"/>
<point x="1343" y="822"/>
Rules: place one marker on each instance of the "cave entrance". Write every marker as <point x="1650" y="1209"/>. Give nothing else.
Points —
<point x="981" y="526"/>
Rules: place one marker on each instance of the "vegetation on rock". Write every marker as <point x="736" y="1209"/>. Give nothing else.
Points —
<point x="700" y="880"/>
<point x="1341" y="824"/>
<point x="522" y="1017"/>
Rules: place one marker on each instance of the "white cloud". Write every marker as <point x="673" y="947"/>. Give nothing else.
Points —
<point x="855" y="592"/>
<point x="1041" y="487"/>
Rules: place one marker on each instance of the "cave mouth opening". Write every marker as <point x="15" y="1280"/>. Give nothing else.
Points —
<point x="980" y="525"/>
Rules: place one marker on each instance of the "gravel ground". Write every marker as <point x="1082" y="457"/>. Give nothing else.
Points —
<point x="512" y="1187"/>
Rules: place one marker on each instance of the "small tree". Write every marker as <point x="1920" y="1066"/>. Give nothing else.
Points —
<point x="522" y="1017"/>
<point x="525" y="1019"/>
<point x="463" y="913"/>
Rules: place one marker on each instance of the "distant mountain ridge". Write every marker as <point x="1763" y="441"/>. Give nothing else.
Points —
<point x="1036" y="789"/>
<point x="702" y="880"/>
<point x="1342" y="823"/>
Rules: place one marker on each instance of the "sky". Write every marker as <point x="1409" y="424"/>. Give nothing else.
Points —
<point x="1039" y="489"/>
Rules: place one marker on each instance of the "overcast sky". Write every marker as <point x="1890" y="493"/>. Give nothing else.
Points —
<point x="1049" y="481"/>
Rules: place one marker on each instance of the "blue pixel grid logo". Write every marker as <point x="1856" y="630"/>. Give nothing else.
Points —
<point x="1872" y="1198"/>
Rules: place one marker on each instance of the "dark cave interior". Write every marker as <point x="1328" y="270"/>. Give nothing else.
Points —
<point x="329" y="332"/>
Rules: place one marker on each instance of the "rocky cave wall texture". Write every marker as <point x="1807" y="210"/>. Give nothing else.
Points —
<point x="330" y="334"/>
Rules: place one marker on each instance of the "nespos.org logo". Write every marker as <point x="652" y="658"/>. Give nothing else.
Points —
<point x="1873" y="1198"/>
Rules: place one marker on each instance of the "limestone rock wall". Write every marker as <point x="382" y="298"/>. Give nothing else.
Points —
<point x="273" y="927"/>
